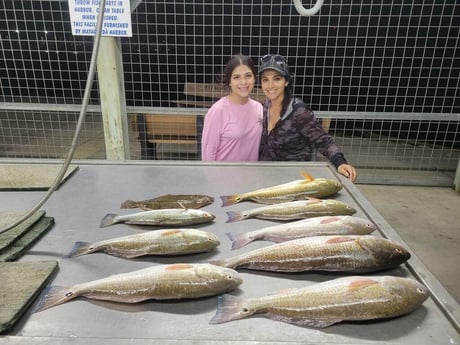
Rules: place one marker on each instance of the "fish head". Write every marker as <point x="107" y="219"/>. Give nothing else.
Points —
<point x="333" y="186"/>
<point x="201" y="236"/>
<point x="361" y="225"/>
<point x="387" y="253"/>
<point x="201" y="214"/>
<point x="223" y="278"/>
<point x="338" y="207"/>
<point x="411" y="293"/>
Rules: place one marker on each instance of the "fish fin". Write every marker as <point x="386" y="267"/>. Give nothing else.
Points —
<point x="302" y="322"/>
<point x="328" y="220"/>
<point x="360" y="283"/>
<point x="128" y="204"/>
<point x="230" y="308"/>
<point x="181" y="205"/>
<point x="108" y="219"/>
<point x="178" y="267"/>
<point x="79" y="248"/>
<point x="234" y="216"/>
<point x="238" y="240"/>
<point x="228" y="200"/>
<point x="307" y="176"/>
<point x="170" y="232"/>
<point x="340" y="239"/>
<point x="52" y="296"/>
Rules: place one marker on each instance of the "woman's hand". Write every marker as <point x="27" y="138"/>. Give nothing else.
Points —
<point x="348" y="170"/>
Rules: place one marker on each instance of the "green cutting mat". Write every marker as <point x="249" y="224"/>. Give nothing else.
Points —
<point x="21" y="282"/>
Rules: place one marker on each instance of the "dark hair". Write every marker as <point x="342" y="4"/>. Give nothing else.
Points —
<point x="233" y="63"/>
<point x="287" y="95"/>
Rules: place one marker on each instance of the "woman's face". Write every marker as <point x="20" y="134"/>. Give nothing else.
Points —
<point x="273" y="84"/>
<point x="242" y="81"/>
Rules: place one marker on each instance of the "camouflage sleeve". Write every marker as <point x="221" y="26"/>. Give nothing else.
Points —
<point x="318" y="138"/>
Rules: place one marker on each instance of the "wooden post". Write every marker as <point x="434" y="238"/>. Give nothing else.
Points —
<point x="113" y="103"/>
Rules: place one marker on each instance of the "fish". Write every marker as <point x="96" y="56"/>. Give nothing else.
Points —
<point x="174" y="281"/>
<point x="294" y="210"/>
<point x="316" y="226"/>
<point x="353" y="253"/>
<point x="157" y="242"/>
<point x="354" y="298"/>
<point x="166" y="217"/>
<point x="295" y="190"/>
<point x="194" y="201"/>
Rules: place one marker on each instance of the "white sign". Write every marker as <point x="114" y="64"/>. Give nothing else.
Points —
<point x="117" y="17"/>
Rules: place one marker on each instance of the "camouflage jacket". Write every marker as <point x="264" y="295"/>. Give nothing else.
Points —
<point x="296" y="136"/>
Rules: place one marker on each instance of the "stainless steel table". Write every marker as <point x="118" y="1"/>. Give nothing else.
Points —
<point x="99" y="187"/>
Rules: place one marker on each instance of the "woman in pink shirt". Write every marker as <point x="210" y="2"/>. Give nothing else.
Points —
<point x="233" y="125"/>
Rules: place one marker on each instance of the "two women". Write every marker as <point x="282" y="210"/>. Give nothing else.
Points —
<point x="289" y="131"/>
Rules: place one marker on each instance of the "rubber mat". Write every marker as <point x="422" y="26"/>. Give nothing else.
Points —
<point x="9" y="217"/>
<point x="31" y="176"/>
<point x="21" y="283"/>
<point x="24" y="242"/>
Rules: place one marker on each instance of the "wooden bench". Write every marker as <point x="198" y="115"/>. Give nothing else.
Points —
<point x="173" y="129"/>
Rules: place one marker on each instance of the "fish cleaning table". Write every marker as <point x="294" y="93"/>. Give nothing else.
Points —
<point x="98" y="188"/>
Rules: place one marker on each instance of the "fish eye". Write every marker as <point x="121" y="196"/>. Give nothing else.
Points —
<point x="398" y="250"/>
<point x="420" y="290"/>
<point x="245" y="310"/>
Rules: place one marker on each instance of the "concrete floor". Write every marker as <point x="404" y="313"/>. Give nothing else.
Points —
<point x="427" y="219"/>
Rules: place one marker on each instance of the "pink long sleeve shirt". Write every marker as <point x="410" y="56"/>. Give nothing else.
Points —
<point x="232" y="131"/>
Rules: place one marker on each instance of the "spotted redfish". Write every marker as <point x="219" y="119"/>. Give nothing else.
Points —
<point x="324" y="304"/>
<point x="354" y="253"/>
<point x="295" y="190"/>
<point x="166" y="217"/>
<point x="174" y="281"/>
<point x="316" y="226"/>
<point x="157" y="242"/>
<point x="294" y="210"/>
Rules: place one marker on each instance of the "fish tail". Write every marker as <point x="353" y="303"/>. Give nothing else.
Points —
<point x="79" y="248"/>
<point x="230" y="308"/>
<point x="128" y="204"/>
<point x="108" y="219"/>
<point x="234" y="216"/>
<point x="228" y="200"/>
<point x="52" y="296"/>
<point x="238" y="240"/>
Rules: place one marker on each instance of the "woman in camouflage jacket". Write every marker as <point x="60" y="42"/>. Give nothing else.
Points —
<point x="290" y="129"/>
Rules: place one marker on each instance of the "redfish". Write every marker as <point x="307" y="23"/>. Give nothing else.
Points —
<point x="316" y="226"/>
<point x="357" y="254"/>
<point x="324" y="304"/>
<point x="295" y="190"/>
<point x="157" y="242"/>
<point x="166" y="217"/>
<point x="294" y="210"/>
<point x="162" y="282"/>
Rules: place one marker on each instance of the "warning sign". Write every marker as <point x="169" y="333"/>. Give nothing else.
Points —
<point x="117" y="17"/>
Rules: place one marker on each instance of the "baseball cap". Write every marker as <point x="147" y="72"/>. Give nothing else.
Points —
<point x="275" y="62"/>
